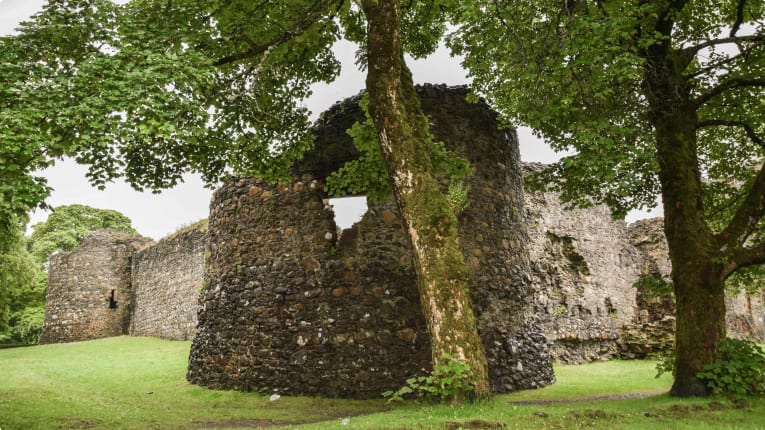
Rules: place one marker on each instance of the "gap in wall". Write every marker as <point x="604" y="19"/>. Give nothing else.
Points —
<point x="348" y="210"/>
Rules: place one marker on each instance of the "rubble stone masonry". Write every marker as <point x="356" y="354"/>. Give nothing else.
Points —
<point x="89" y="288"/>
<point x="166" y="281"/>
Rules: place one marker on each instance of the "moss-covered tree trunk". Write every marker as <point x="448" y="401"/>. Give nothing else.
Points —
<point x="432" y="226"/>
<point x="696" y="273"/>
<point x="700" y="326"/>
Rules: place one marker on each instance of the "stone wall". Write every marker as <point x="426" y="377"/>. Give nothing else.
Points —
<point x="292" y="308"/>
<point x="89" y="288"/>
<point x="166" y="280"/>
<point x="586" y="266"/>
<point x="744" y="312"/>
<point x="605" y="286"/>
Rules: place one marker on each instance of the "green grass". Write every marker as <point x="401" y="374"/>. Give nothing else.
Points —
<point x="106" y="384"/>
<point x="139" y="383"/>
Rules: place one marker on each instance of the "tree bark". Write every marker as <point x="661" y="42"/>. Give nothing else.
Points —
<point x="432" y="227"/>
<point x="697" y="274"/>
<point x="700" y="326"/>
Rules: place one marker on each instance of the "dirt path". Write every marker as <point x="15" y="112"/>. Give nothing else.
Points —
<point x="587" y="399"/>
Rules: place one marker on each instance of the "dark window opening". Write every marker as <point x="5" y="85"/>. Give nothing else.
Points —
<point x="112" y="302"/>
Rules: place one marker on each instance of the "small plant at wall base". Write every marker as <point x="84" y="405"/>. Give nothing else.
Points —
<point x="451" y="381"/>
<point x="739" y="369"/>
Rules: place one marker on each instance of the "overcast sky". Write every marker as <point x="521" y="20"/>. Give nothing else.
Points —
<point x="156" y="215"/>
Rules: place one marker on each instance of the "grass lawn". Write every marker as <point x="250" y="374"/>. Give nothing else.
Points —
<point x="139" y="383"/>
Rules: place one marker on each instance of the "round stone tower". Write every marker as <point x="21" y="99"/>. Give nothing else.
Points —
<point x="89" y="288"/>
<point x="295" y="307"/>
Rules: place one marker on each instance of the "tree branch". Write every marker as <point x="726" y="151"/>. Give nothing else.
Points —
<point x="739" y="18"/>
<point x="301" y="25"/>
<point x="724" y="41"/>
<point x="715" y="67"/>
<point x="748" y="129"/>
<point x="747" y="216"/>
<point x="728" y="85"/>
<point x="743" y="258"/>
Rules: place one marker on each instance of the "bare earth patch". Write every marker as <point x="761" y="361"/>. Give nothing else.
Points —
<point x="585" y="399"/>
<point x="241" y="424"/>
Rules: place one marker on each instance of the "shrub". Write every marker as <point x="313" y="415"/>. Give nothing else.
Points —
<point x="453" y="380"/>
<point x="739" y="369"/>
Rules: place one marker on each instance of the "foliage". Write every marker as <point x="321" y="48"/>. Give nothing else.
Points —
<point x="654" y="286"/>
<point x="585" y="63"/>
<point x="67" y="226"/>
<point x="368" y="174"/>
<point x="151" y="89"/>
<point x="457" y="195"/>
<point x="739" y="369"/>
<point x="205" y="91"/>
<point x="18" y="276"/>
<point x="200" y="225"/>
<point x="25" y="326"/>
<point x="749" y="280"/>
<point x="666" y="363"/>
<point x="452" y="380"/>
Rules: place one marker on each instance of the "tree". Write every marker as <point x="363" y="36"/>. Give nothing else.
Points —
<point x="18" y="276"/>
<point x="402" y="129"/>
<point x="656" y="97"/>
<point x="156" y="88"/>
<point x="67" y="226"/>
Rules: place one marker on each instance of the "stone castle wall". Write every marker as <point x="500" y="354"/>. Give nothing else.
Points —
<point x="166" y="279"/>
<point x="744" y="312"/>
<point x="89" y="288"/>
<point x="155" y="287"/>
<point x="604" y="286"/>
<point x="318" y="314"/>
<point x="586" y="265"/>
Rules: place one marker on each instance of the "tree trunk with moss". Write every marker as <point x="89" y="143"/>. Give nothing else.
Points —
<point x="697" y="274"/>
<point x="442" y="275"/>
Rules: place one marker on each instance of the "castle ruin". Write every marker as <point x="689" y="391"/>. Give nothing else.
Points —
<point x="286" y="303"/>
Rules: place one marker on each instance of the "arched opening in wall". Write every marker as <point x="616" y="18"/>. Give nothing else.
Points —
<point x="348" y="210"/>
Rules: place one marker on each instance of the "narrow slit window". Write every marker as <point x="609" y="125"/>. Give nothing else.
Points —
<point x="112" y="302"/>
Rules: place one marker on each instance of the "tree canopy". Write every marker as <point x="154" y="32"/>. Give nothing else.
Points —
<point x="574" y="71"/>
<point x="67" y="226"/>
<point x="148" y="99"/>
<point x="152" y="89"/>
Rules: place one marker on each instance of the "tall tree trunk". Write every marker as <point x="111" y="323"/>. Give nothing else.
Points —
<point x="700" y="326"/>
<point x="403" y="131"/>
<point x="697" y="278"/>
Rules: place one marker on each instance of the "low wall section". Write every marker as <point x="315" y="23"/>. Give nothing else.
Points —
<point x="167" y="278"/>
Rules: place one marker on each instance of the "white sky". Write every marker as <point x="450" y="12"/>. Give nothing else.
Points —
<point x="157" y="215"/>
